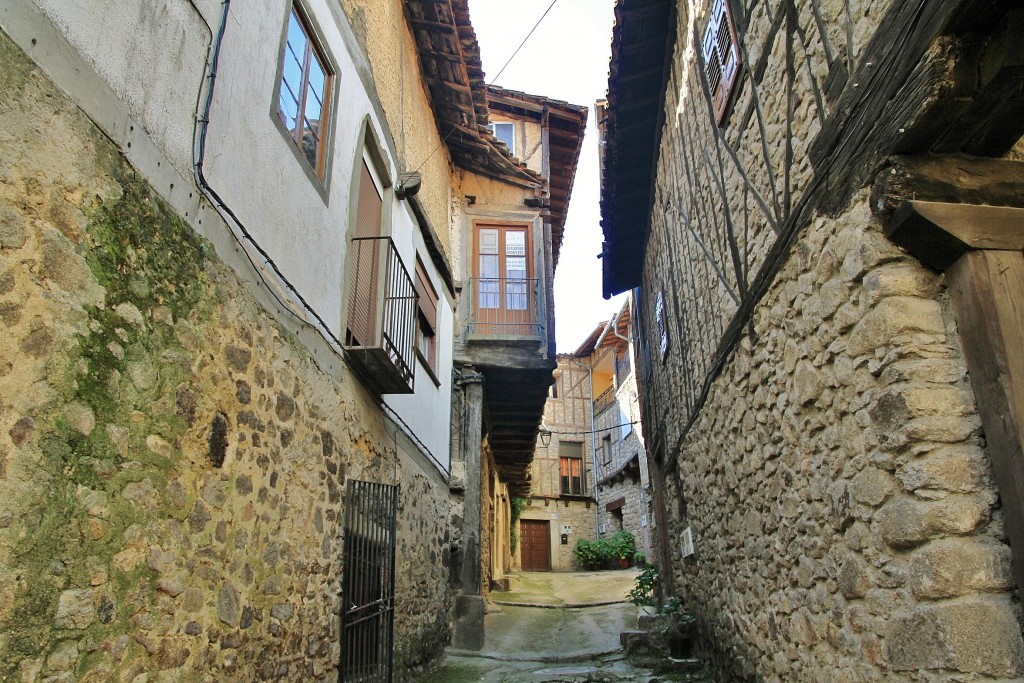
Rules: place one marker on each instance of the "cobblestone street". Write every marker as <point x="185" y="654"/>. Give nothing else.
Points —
<point x="555" y="626"/>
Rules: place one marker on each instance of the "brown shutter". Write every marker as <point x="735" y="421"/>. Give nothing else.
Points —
<point x="721" y="57"/>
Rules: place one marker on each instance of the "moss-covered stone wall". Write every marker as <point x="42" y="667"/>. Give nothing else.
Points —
<point x="172" y="462"/>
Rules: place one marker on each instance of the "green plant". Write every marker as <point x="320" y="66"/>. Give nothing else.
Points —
<point x="517" y="506"/>
<point x="622" y="545"/>
<point x="639" y="559"/>
<point x="645" y="585"/>
<point x="592" y="554"/>
<point x="677" y="618"/>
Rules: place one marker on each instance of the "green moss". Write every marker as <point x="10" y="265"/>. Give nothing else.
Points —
<point x="144" y="255"/>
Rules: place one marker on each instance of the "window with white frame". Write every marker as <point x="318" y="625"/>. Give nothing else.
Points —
<point x="505" y="131"/>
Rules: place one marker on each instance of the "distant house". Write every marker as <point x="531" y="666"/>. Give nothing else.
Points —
<point x="819" y="210"/>
<point x="561" y="509"/>
<point x="623" y="492"/>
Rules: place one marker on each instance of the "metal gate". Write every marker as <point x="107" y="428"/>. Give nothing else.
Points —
<point x="368" y="593"/>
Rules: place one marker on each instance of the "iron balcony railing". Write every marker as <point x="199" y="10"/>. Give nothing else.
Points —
<point x="381" y="316"/>
<point x="504" y="307"/>
<point x="605" y="401"/>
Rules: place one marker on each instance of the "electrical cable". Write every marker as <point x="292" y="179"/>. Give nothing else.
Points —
<point x="502" y="70"/>
<point x="492" y="81"/>
<point x="597" y="431"/>
<point x="201" y="129"/>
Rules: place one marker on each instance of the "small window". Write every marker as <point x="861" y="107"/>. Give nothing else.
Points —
<point x="721" y="57"/>
<point x="305" y="91"/>
<point x="556" y="388"/>
<point x="606" y="449"/>
<point x="571" y="468"/>
<point x="426" y="328"/>
<point x="572" y="476"/>
<point x="626" y="422"/>
<point x="659" y="318"/>
<point x="505" y="132"/>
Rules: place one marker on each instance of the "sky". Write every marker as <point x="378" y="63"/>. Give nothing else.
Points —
<point x="566" y="58"/>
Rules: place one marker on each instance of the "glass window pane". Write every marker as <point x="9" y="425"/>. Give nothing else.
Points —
<point x="312" y="105"/>
<point x="515" y="295"/>
<point x="488" y="295"/>
<point x="310" y="142"/>
<point x="317" y="76"/>
<point x="288" y="109"/>
<point x="515" y="243"/>
<point x="296" y="35"/>
<point x="488" y="242"/>
<point x="488" y="266"/>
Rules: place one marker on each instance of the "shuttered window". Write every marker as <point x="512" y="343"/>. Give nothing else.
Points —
<point x="571" y="468"/>
<point x="721" y="57"/>
<point x="659" y="319"/>
<point x="426" y="330"/>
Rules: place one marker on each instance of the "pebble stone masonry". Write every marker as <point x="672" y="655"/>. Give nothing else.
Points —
<point x="172" y="462"/>
<point x="834" y="474"/>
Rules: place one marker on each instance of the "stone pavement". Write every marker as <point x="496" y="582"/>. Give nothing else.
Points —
<point x="553" y="626"/>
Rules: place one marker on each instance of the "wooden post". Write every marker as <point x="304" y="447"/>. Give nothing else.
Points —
<point x="987" y="289"/>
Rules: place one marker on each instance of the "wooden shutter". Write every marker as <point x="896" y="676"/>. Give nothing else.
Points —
<point x="721" y="57"/>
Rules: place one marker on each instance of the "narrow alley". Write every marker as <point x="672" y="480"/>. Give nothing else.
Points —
<point x="532" y="341"/>
<point x="557" y="626"/>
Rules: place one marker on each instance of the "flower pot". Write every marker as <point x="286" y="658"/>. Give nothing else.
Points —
<point x="623" y="563"/>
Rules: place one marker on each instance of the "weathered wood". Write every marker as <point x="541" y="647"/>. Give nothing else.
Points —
<point x="987" y="289"/>
<point x="948" y="178"/>
<point x="939" y="233"/>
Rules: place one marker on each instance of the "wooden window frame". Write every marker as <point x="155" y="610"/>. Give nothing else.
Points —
<point x="314" y="49"/>
<point x="721" y="57"/>
<point x="566" y="480"/>
<point x="606" y="449"/>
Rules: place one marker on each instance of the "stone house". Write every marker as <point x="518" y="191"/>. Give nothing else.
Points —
<point x="510" y="237"/>
<point x="232" y="248"/>
<point x="819" y="205"/>
<point x="623" y="491"/>
<point x="561" y="509"/>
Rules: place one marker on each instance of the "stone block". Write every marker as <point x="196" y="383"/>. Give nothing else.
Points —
<point x="973" y="636"/>
<point x="892" y="317"/>
<point x="63" y="656"/>
<point x="958" y="469"/>
<point x="952" y="567"/>
<point x="872" y="486"/>
<point x="900" y="279"/>
<point x="853" y="577"/>
<point x="908" y="523"/>
<point x="75" y="609"/>
<point x="228" y="605"/>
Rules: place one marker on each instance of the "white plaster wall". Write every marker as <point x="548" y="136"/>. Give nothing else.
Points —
<point x="152" y="55"/>
<point x="428" y="411"/>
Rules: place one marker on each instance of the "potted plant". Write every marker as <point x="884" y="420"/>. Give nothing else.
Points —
<point x="623" y="548"/>
<point x="677" y="628"/>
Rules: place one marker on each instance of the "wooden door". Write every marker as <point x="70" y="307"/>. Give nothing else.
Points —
<point x="535" y="538"/>
<point x="503" y="301"/>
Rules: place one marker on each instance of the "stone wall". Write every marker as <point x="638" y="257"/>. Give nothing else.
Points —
<point x="578" y="514"/>
<point x="806" y="392"/>
<point x="853" y="531"/>
<point x="172" y="462"/>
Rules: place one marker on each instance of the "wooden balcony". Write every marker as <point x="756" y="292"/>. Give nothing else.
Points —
<point x="381" y="326"/>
